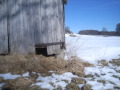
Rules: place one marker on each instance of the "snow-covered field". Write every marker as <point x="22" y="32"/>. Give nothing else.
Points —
<point x="90" y="49"/>
<point x="93" y="49"/>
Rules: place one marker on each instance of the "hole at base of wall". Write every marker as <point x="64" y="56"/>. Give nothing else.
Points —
<point x="41" y="51"/>
<point x="3" y="54"/>
<point x="6" y="89"/>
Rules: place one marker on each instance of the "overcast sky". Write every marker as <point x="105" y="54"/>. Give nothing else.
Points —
<point x="92" y="14"/>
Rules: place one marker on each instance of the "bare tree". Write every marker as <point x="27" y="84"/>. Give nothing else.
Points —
<point x="104" y="29"/>
<point x="118" y="29"/>
<point x="67" y="30"/>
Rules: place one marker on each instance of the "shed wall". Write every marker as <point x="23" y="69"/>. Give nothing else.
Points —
<point x="30" y="22"/>
<point x="51" y="28"/>
<point x="21" y="29"/>
<point x="3" y="28"/>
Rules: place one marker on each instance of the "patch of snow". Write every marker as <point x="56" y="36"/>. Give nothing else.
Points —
<point x="52" y="71"/>
<point x="106" y="74"/>
<point x="1" y="84"/>
<point x="55" y="80"/>
<point x="92" y="49"/>
<point x="80" y="85"/>
<point x="26" y="74"/>
<point x="44" y="85"/>
<point x="9" y="76"/>
<point x="62" y="84"/>
<point x="99" y="86"/>
<point x="34" y="72"/>
<point x="98" y="70"/>
<point x="108" y="77"/>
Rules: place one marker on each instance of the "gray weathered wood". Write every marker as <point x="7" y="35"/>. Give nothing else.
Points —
<point x="3" y="28"/>
<point x="57" y="26"/>
<point x="30" y="22"/>
<point x="50" y="24"/>
<point x="21" y="27"/>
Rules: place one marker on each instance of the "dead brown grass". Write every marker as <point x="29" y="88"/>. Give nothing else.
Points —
<point x="20" y="64"/>
<point x="115" y="62"/>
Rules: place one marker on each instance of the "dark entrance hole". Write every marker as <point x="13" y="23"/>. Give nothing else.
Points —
<point x="41" y="51"/>
<point x="6" y="89"/>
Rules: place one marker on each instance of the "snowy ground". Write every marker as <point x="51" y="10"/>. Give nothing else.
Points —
<point x="45" y="82"/>
<point x="93" y="49"/>
<point x="56" y="80"/>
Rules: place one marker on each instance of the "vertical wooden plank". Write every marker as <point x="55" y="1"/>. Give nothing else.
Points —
<point x="50" y="49"/>
<point x="56" y="27"/>
<point x="40" y="20"/>
<point x="3" y="27"/>
<point x="44" y="32"/>
<point x="61" y="19"/>
<point x="20" y="27"/>
<point x="37" y="21"/>
<point x="49" y="24"/>
<point x="52" y="35"/>
<point x="52" y="27"/>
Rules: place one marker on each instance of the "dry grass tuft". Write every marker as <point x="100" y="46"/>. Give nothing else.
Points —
<point x="20" y="64"/>
<point x="115" y="62"/>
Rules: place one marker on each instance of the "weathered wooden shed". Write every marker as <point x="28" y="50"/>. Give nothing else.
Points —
<point x="28" y="26"/>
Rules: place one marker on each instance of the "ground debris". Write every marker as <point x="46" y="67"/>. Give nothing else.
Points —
<point x="88" y="75"/>
<point x="115" y="62"/>
<point x="103" y="62"/>
<point x="86" y="87"/>
<point x="20" y="82"/>
<point x="36" y="88"/>
<point x="101" y="81"/>
<point x="78" y="81"/>
<point x="1" y="79"/>
<point x="72" y="86"/>
<point x="117" y="87"/>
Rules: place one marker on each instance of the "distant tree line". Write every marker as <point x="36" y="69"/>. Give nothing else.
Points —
<point x="96" y="32"/>
<point x="67" y="30"/>
<point x="103" y="32"/>
<point x="118" y="28"/>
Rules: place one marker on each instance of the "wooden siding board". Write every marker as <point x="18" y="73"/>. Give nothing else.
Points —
<point x="50" y="16"/>
<point x="53" y="30"/>
<point x="57" y="27"/>
<point x="3" y="28"/>
<point x="61" y="19"/>
<point x="21" y="33"/>
<point x="37" y="22"/>
<point x="41" y="23"/>
<point x="33" y="22"/>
